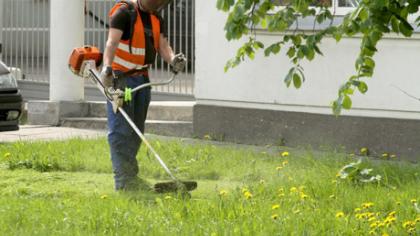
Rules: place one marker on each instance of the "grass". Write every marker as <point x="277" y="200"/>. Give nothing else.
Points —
<point x="66" y="188"/>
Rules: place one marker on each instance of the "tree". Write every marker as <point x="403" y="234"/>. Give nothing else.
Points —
<point x="371" y="19"/>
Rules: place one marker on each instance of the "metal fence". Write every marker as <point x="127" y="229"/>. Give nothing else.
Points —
<point x="24" y="36"/>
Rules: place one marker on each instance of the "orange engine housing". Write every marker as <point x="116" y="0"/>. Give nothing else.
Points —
<point x="79" y="55"/>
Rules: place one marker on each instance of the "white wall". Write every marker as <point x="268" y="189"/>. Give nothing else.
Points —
<point x="259" y="83"/>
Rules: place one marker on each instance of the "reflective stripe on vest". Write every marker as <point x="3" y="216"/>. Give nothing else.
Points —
<point x="134" y="50"/>
<point x="124" y="60"/>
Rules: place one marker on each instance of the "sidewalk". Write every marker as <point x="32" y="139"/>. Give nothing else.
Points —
<point x="36" y="133"/>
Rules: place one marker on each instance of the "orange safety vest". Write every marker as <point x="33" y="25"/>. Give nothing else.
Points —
<point x="124" y="60"/>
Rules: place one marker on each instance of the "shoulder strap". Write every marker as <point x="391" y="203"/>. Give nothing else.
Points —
<point x="133" y="17"/>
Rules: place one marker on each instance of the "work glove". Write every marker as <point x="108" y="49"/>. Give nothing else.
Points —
<point x="178" y="63"/>
<point x="107" y="77"/>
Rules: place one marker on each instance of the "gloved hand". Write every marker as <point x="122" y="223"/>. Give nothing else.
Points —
<point x="106" y="77"/>
<point x="178" y="63"/>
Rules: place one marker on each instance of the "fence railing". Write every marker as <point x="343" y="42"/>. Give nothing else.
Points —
<point x="24" y="35"/>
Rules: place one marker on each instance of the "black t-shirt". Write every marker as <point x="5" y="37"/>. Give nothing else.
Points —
<point x="121" y="20"/>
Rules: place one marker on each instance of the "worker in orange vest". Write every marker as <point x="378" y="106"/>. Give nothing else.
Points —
<point x="136" y="35"/>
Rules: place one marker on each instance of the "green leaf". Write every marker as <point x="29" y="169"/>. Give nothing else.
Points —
<point x="406" y="28"/>
<point x="362" y="86"/>
<point x="289" y="77"/>
<point x="394" y="24"/>
<point x="297" y="82"/>
<point x="347" y="103"/>
<point x="291" y="52"/>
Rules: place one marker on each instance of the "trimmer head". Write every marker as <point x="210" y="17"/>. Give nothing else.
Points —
<point x="173" y="186"/>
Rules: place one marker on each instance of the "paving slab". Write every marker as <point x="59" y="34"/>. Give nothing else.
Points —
<point x="37" y="132"/>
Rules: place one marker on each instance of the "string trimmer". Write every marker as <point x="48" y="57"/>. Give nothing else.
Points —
<point x="84" y="62"/>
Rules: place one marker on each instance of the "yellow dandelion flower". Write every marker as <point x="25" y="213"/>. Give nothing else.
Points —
<point x="207" y="137"/>
<point x="393" y="156"/>
<point x="275" y="206"/>
<point x="245" y="189"/>
<point x="281" y="190"/>
<point x="367" y="205"/>
<point x="278" y="168"/>
<point x="417" y="220"/>
<point x="372" y="232"/>
<point x="248" y="195"/>
<point x="303" y="196"/>
<point x="168" y="197"/>
<point x="104" y="196"/>
<point x="357" y="209"/>
<point x="373" y="225"/>
<point x="274" y="216"/>
<point x="364" y="151"/>
<point x="381" y="224"/>
<point x="371" y="219"/>
<point x="284" y="163"/>
<point x="413" y="201"/>
<point x="285" y="154"/>
<point x="409" y="224"/>
<point x="359" y="216"/>
<point x="339" y="214"/>
<point x="385" y="234"/>
<point x="385" y="155"/>
<point x="223" y="193"/>
<point x="7" y="155"/>
<point x="293" y="190"/>
<point x="392" y="213"/>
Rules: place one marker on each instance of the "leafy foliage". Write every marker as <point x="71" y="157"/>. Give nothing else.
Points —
<point x="371" y="20"/>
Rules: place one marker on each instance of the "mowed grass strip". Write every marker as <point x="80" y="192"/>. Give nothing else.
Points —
<point x="66" y="188"/>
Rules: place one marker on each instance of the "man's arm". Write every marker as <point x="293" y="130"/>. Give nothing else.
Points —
<point x="114" y="38"/>
<point x="165" y="50"/>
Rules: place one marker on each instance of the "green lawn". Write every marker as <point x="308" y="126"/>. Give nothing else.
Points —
<point x="66" y="188"/>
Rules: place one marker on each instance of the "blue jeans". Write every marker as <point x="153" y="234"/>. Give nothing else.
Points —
<point x="123" y="141"/>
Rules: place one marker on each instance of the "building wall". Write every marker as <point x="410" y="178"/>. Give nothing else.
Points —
<point x="259" y="83"/>
<point x="226" y="102"/>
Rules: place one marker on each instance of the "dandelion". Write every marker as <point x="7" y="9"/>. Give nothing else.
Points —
<point x="7" y="155"/>
<point x="392" y="213"/>
<point x="274" y="216"/>
<point x="393" y="156"/>
<point x="285" y="154"/>
<point x="303" y="196"/>
<point x="413" y="201"/>
<point x="284" y="163"/>
<point x="104" y="196"/>
<point x="339" y="214"/>
<point x="385" y="234"/>
<point x="281" y="195"/>
<point x="385" y="155"/>
<point x="373" y="225"/>
<point x="357" y="209"/>
<point x="223" y="193"/>
<point x="409" y="224"/>
<point x="275" y="206"/>
<point x="278" y="168"/>
<point x="371" y="219"/>
<point x="245" y="189"/>
<point x="367" y="205"/>
<point x="364" y="151"/>
<point x="372" y="232"/>
<point x="207" y="137"/>
<point x="168" y="197"/>
<point x="248" y="195"/>
<point x="293" y="190"/>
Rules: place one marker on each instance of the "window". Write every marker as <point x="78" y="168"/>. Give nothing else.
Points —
<point x="340" y="7"/>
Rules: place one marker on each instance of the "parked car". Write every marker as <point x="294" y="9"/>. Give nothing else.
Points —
<point x="10" y="100"/>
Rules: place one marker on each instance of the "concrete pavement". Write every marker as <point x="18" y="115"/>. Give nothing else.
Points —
<point x="36" y="133"/>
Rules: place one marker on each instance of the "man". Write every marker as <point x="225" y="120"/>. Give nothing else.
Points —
<point x="136" y="34"/>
